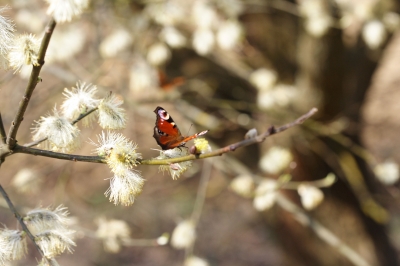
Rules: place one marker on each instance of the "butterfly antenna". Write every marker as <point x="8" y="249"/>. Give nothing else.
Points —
<point x="187" y="134"/>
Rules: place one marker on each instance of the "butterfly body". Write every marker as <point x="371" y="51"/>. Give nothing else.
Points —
<point x="167" y="133"/>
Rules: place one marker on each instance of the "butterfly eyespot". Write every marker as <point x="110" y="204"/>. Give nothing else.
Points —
<point x="167" y="133"/>
<point x="163" y="114"/>
<point x="161" y="133"/>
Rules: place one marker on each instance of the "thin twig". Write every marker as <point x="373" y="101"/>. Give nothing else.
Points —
<point x="271" y="131"/>
<point x="21" y="220"/>
<point x="201" y="191"/>
<point x="322" y="232"/>
<point x="128" y="242"/>
<point x="81" y="116"/>
<point x="33" y="81"/>
<point x="200" y="198"/>
<point x="58" y="155"/>
<point x="3" y="134"/>
<point x="35" y="143"/>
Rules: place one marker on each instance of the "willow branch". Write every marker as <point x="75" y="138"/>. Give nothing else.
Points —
<point x="20" y="220"/>
<point x="33" y="80"/>
<point x="271" y="131"/>
<point x="321" y="231"/>
<point x="200" y="198"/>
<point x="81" y="116"/>
<point x="58" y="155"/>
<point x="201" y="191"/>
<point x="97" y="159"/>
<point x="3" y="134"/>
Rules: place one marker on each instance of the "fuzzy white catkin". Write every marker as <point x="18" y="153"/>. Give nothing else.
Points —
<point x="79" y="100"/>
<point x="265" y="195"/>
<point x="116" y="42"/>
<point x="204" y="15"/>
<point x="59" y="132"/>
<point x="24" y="51"/>
<point x="387" y="172"/>
<point x="275" y="160"/>
<point x="263" y="79"/>
<point x="143" y="78"/>
<point x="39" y="220"/>
<point x="158" y="54"/>
<point x="176" y="169"/>
<point x="183" y="235"/>
<point x="311" y="196"/>
<point x="121" y="156"/>
<point x="111" y="114"/>
<point x="12" y="245"/>
<point x="112" y="232"/>
<point x="203" y="41"/>
<point x="6" y="37"/>
<point x="229" y="34"/>
<point x="195" y="261"/>
<point x="243" y="185"/>
<point x="173" y="37"/>
<point x="125" y="187"/>
<point x="66" y="10"/>
<point x="55" y="242"/>
<point x="374" y="34"/>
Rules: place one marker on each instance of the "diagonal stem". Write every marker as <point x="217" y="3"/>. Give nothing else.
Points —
<point x="3" y="134"/>
<point x="20" y="220"/>
<point x="321" y="231"/>
<point x="201" y="191"/>
<point x="81" y="116"/>
<point x="200" y="198"/>
<point x="33" y="81"/>
<point x="58" y="155"/>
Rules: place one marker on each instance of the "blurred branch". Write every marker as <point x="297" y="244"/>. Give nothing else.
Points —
<point x="127" y="242"/>
<point x="301" y="216"/>
<point x="81" y="116"/>
<point x="33" y="81"/>
<point x="201" y="192"/>
<point x="58" y="155"/>
<point x="322" y="232"/>
<point x="271" y="131"/>
<point x="356" y="180"/>
<point x="200" y="197"/>
<point x="328" y="181"/>
<point x="21" y="221"/>
<point x="331" y="132"/>
<point x="346" y="164"/>
<point x="3" y="134"/>
<point x="285" y="6"/>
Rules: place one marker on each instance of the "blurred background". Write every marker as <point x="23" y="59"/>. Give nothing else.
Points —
<point x="227" y="66"/>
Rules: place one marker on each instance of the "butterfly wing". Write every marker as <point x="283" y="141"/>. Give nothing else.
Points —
<point x="166" y="132"/>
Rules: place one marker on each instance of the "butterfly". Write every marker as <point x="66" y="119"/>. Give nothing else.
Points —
<point x="167" y="133"/>
<point x="168" y="84"/>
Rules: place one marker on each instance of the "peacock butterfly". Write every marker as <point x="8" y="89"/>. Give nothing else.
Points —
<point x="168" y="84"/>
<point x="167" y="133"/>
